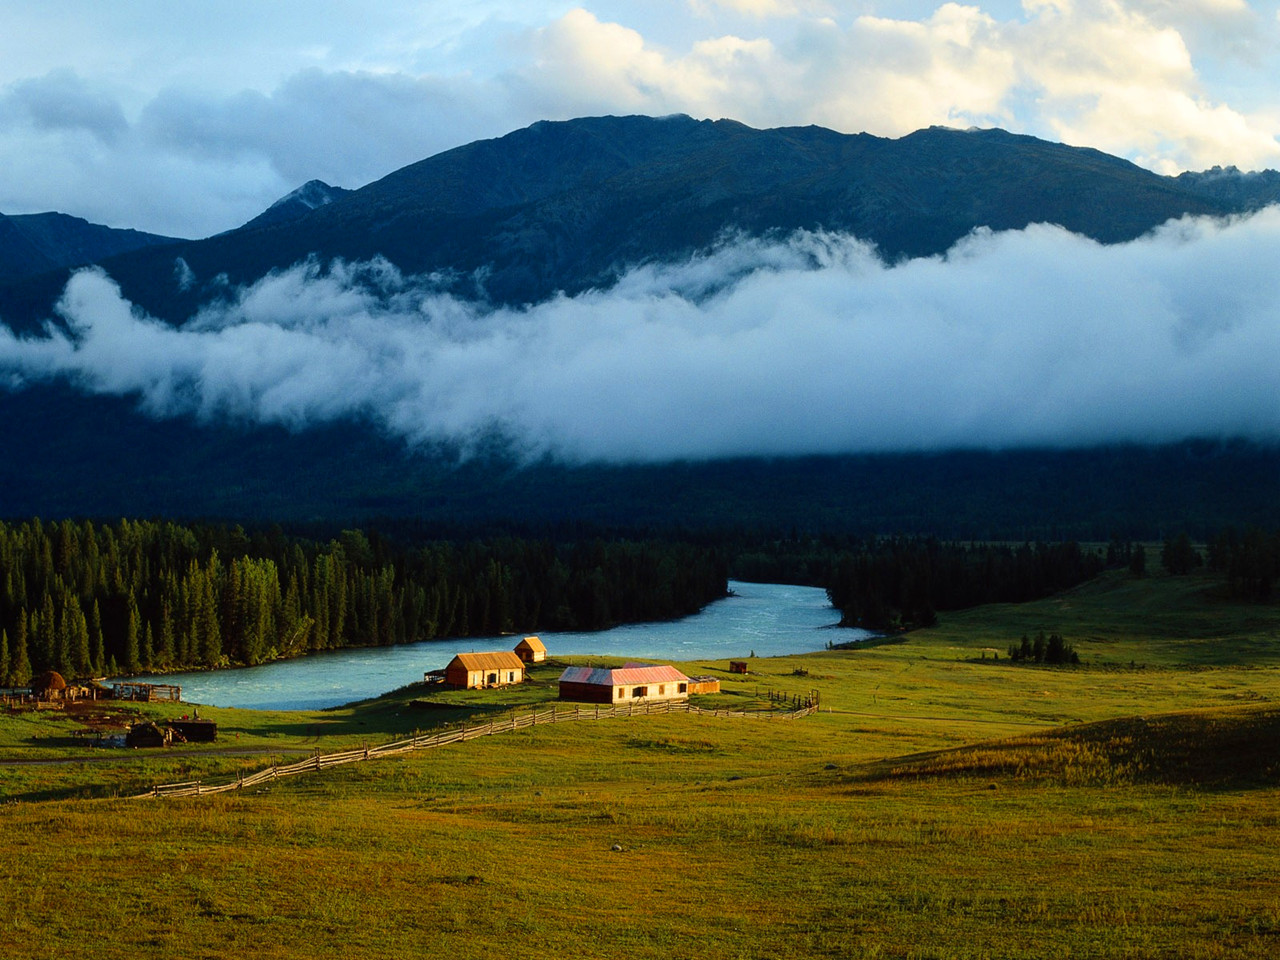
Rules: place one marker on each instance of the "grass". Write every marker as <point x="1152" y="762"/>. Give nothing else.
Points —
<point x="941" y="805"/>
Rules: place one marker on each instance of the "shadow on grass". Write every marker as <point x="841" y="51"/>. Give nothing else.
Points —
<point x="1232" y="748"/>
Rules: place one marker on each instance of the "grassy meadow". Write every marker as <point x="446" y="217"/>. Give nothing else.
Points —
<point x="945" y="802"/>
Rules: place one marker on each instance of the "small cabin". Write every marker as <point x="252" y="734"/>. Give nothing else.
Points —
<point x="631" y="683"/>
<point x="531" y="650"/>
<point x="468" y="671"/>
<point x="737" y="666"/>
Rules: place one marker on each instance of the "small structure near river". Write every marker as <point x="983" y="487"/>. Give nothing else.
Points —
<point x="469" y="671"/>
<point x="630" y="683"/>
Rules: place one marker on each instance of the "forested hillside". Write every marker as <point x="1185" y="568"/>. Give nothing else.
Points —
<point x="87" y="599"/>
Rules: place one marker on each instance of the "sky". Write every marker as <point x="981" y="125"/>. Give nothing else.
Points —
<point x="189" y="119"/>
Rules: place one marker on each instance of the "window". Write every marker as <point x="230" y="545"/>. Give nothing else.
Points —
<point x="640" y="692"/>
<point x="620" y="693"/>
<point x="682" y="688"/>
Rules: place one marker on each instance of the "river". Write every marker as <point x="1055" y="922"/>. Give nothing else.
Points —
<point x="764" y="619"/>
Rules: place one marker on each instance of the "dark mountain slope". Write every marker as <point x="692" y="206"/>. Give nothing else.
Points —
<point x="563" y="206"/>
<point x="19" y="257"/>
<point x="116" y="462"/>
<point x="36" y="243"/>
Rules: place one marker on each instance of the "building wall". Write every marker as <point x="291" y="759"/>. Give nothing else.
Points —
<point x="461" y="677"/>
<point x="598" y="693"/>
<point x="585" y="692"/>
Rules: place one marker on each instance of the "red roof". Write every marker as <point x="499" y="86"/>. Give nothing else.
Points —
<point x="623" y="676"/>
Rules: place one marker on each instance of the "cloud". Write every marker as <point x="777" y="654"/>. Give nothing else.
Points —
<point x="63" y="101"/>
<point x="812" y="345"/>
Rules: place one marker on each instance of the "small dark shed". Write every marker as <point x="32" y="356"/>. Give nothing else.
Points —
<point x="737" y="666"/>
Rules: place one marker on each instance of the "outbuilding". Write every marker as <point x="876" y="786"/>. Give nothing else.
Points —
<point x="531" y="650"/>
<point x="491" y="669"/>
<point x="631" y="683"/>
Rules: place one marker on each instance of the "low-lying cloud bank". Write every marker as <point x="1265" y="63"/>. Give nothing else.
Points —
<point x="798" y="346"/>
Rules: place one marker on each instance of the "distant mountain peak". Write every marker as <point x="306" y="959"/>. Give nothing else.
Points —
<point x="312" y="195"/>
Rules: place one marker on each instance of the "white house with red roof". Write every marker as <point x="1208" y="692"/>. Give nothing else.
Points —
<point x="629" y="683"/>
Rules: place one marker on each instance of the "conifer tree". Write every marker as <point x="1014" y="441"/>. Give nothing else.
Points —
<point x="20" y="662"/>
<point x="132" y="640"/>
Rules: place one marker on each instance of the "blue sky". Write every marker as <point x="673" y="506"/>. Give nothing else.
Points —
<point x="188" y="119"/>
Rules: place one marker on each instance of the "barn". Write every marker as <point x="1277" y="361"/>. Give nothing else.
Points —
<point x="531" y="650"/>
<point x="492" y="669"/>
<point x="630" y="683"/>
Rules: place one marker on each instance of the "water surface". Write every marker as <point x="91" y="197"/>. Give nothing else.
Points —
<point x="765" y="619"/>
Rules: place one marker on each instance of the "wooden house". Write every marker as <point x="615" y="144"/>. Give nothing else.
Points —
<point x="631" y="683"/>
<point x="704" y="684"/>
<point x="531" y="650"/>
<point x="491" y="669"/>
<point x="737" y="666"/>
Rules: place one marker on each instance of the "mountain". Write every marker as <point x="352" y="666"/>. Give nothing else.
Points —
<point x="31" y="244"/>
<point x="1238" y="189"/>
<point x="310" y="196"/>
<point x="19" y="257"/>
<point x="563" y="206"/>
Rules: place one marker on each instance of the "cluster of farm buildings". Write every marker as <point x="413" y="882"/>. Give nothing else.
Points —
<point x="629" y="683"/>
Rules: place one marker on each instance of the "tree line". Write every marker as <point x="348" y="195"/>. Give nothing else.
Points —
<point x="902" y="582"/>
<point x="90" y="599"/>
<point x="1249" y="559"/>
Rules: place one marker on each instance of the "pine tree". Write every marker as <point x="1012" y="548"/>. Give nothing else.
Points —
<point x="4" y="659"/>
<point x="132" y="639"/>
<point x="20" y="662"/>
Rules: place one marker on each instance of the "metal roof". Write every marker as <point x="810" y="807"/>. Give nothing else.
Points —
<point x="497" y="660"/>
<point x="623" y="676"/>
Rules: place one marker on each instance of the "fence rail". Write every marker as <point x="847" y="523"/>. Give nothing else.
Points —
<point x="802" y="707"/>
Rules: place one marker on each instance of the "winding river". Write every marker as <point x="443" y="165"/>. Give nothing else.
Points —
<point x="763" y="619"/>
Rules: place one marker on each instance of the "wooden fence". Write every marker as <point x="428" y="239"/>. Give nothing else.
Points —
<point x="803" y="706"/>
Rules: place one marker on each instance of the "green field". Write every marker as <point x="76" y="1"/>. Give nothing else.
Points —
<point x="943" y="803"/>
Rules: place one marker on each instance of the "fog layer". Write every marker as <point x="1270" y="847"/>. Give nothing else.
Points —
<point x="808" y="344"/>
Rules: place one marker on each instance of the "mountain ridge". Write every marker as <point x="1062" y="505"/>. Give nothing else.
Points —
<point x="562" y="206"/>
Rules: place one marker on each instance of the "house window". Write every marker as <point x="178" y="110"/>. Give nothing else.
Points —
<point x="640" y="692"/>
<point x="620" y="693"/>
<point x="662" y="689"/>
<point x="682" y="688"/>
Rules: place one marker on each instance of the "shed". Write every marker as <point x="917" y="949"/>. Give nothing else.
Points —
<point x="704" y="684"/>
<point x="630" y="683"/>
<point x="737" y="666"/>
<point x="531" y="650"/>
<point x="490" y="669"/>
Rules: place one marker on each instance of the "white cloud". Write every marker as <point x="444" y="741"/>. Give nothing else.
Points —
<point x="1036" y="337"/>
